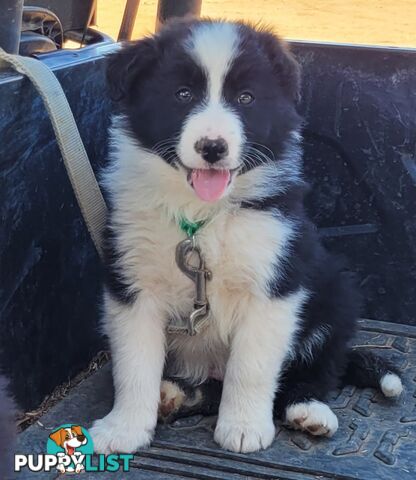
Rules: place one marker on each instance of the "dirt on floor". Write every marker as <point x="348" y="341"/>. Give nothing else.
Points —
<point x="382" y="22"/>
<point x="25" y="419"/>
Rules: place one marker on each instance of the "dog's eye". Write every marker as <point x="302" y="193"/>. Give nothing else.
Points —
<point x="184" y="95"/>
<point x="245" y="98"/>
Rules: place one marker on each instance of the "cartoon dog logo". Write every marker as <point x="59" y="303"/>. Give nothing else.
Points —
<point x="69" y="438"/>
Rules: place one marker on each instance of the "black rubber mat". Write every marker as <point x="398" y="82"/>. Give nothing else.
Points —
<point x="376" y="438"/>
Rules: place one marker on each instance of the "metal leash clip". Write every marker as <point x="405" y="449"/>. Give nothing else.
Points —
<point x="199" y="275"/>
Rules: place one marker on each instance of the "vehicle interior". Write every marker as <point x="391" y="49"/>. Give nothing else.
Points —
<point x="359" y="104"/>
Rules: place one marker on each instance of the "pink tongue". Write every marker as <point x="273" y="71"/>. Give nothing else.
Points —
<point x="210" y="184"/>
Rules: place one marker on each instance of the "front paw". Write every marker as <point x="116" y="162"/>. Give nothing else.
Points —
<point x="119" y="434"/>
<point x="242" y="436"/>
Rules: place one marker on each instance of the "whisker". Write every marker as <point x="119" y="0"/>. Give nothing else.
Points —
<point x="264" y="147"/>
<point x="259" y="154"/>
<point x="161" y="146"/>
<point x="165" y="150"/>
<point x="249" y="162"/>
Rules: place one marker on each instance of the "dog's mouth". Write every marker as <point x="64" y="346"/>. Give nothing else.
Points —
<point x="70" y="450"/>
<point x="209" y="183"/>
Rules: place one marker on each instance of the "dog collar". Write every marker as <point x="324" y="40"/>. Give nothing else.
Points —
<point x="190" y="228"/>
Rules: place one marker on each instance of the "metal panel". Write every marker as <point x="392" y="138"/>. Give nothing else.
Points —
<point x="360" y="139"/>
<point x="10" y="23"/>
<point x="50" y="274"/>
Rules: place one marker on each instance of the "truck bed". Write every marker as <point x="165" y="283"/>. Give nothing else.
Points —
<point x="376" y="438"/>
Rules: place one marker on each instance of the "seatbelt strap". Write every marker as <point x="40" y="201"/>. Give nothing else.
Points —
<point x="77" y="164"/>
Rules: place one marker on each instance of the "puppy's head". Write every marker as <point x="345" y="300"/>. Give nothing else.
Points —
<point x="214" y="99"/>
<point x="69" y="438"/>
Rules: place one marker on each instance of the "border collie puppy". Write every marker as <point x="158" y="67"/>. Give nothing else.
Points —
<point x="207" y="131"/>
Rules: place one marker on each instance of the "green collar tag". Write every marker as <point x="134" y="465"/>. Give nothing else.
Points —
<point x="190" y="228"/>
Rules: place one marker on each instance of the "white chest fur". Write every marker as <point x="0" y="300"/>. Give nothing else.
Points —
<point x="241" y="247"/>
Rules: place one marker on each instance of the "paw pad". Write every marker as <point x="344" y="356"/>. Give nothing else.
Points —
<point x="313" y="417"/>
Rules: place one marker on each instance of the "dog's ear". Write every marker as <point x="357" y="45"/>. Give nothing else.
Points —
<point x="129" y="64"/>
<point x="285" y="66"/>
<point x="77" y="429"/>
<point x="58" y="437"/>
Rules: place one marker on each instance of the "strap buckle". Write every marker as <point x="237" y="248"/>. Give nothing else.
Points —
<point x="186" y="252"/>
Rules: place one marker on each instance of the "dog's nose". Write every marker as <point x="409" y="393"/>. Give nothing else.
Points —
<point x="211" y="150"/>
<point x="81" y="437"/>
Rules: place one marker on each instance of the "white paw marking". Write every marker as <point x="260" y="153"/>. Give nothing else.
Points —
<point x="120" y="434"/>
<point x="171" y="398"/>
<point x="391" y="385"/>
<point x="313" y="416"/>
<point x="244" y="437"/>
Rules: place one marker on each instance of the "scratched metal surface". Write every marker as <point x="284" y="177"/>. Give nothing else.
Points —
<point x="360" y="144"/>
<point x="376" y="438"/>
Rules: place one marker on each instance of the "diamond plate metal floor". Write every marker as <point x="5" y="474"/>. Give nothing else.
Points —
<point x="376" y="438"/>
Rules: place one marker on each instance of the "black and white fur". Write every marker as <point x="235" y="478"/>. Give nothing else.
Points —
<point x="282" y="311"/>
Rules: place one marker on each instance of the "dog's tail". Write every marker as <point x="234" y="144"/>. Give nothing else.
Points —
<point x="366" y="369"/>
